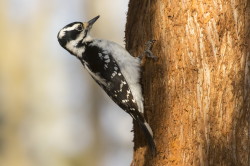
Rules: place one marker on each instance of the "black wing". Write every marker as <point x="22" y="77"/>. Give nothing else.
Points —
<point x="105" y="71"/>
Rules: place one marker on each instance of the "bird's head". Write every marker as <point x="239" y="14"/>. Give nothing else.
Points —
<point x="75" y="34"/>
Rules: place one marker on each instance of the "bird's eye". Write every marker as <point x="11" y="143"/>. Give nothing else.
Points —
<point x="79" y="28"/>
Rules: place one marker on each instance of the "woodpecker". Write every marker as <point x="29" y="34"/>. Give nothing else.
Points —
<point x="112" y="67"/>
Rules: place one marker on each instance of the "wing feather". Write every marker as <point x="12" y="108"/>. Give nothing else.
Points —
<point x="106" y="72"/>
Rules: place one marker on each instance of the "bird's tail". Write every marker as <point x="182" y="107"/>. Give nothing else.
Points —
<point x="149" y="136"/>
<point x="147" y="131"/>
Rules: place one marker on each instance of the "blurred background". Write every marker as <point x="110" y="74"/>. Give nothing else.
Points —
<point x="51" y="111"/>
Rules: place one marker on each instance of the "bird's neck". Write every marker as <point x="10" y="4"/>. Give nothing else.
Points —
<point x="77" y="47"/>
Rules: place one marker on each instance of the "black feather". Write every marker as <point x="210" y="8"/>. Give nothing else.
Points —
<point x="94" y="58"/>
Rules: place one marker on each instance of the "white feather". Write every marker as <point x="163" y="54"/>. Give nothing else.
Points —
<point x="129" y="66"/>
<point x="72" y="45"/>
<point x="62" y="32"/>
<point x="149" y="128"/>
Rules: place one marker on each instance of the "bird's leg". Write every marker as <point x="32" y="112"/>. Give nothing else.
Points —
<point x="149" y="44"/>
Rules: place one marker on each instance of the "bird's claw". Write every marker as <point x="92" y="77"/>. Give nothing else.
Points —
<point x="149" y="44"/>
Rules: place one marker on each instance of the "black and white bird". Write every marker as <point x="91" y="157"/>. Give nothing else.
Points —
<point x="112" y="67"/>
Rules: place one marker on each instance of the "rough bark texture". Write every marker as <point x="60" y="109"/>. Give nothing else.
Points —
<point x="197" y="95"/>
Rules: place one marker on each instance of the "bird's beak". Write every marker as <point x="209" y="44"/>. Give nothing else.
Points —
<point x="93" y="20"/>
<point x="89" y="24"/>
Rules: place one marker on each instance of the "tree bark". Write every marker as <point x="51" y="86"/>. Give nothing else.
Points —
<point x="197" y="95"/>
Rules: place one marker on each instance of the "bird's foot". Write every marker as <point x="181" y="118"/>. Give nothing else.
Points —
<point x="147" y="52"/>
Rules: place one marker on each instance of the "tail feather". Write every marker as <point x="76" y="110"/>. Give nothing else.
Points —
<point x="148" y="133"/>
<point x="149" y="136"/>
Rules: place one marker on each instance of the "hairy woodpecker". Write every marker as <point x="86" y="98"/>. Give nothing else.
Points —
<point x="112" y="67"/>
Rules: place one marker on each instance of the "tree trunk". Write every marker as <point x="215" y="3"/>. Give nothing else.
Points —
<point x="197" y="95"/>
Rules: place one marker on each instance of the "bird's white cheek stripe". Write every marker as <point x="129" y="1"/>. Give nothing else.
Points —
<point x="76" y="51"/>
<point x="72" y="45"/>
